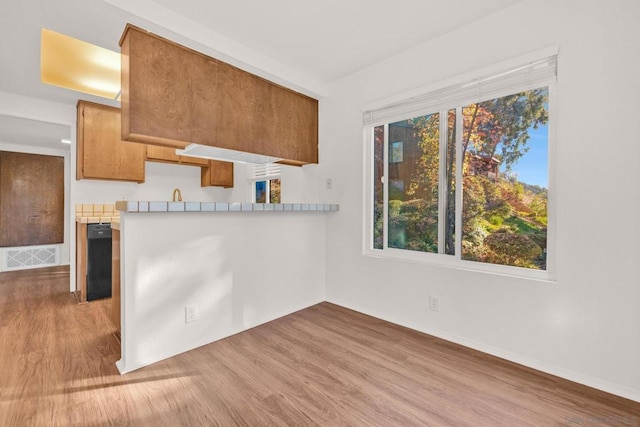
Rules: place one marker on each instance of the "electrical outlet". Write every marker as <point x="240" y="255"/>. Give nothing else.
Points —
<point x="329" y="183"/>
<point x="190" y="313"/>
<point x="434" y="303"/>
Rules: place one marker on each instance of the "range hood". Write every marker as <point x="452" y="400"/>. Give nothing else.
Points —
<point x="225" y="154"/>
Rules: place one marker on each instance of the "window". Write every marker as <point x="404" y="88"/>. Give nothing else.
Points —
<point x="265" y="181"/>
<point x="462" y="178"/>
<point x="267" y="191"/>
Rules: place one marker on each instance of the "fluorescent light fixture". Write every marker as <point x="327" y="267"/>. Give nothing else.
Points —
<point x="75" y="64"/>
<point x="224" y="154"/>
<point x="65" y="141"/>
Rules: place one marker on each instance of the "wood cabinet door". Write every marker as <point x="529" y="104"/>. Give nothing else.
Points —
<point x="245" y="112"/>
<point x="168" y="92"/>
<point x="296" y="127"/>
<point x="258" y="116"/>
<point x="156" y="153"/>
<point x="101" y="153"/>
<point x="157" y="90"/>
<point x="193" y="161"/>
<point x="217" y="174"/>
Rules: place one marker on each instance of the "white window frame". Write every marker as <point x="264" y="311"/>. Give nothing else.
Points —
<point x="267" y="190"/>
<point x="455" y="261"/>
<point x="264" y="172"/>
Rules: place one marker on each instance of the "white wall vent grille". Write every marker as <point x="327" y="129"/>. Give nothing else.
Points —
<point x="264" y="172"/>
<point x="31" y="257"/>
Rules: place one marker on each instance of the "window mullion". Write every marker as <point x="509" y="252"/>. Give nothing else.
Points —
<point x="442" y="180"/>
<point x="385" y="188"/>
<point x="459" y="174"/>
<point x="267" y="191"/>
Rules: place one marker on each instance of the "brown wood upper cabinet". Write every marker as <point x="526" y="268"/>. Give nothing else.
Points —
<point x="156" y="153"/>
<point x="217" y="174"/>
<point x="173" y="96"/>
<point x="101" y="153"/>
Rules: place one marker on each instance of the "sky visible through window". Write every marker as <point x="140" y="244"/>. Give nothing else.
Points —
<point x="532" y="166"/>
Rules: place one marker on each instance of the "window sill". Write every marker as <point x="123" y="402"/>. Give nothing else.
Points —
<point x="448" y="261"/>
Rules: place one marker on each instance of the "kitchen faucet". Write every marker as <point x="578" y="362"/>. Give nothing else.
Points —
<point x="177" y="191"/>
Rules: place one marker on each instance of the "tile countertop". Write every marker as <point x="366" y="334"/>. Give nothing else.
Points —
<point x="96" y="213"/>
<point x="147" y="207"/>
<point x="96" y="219"/>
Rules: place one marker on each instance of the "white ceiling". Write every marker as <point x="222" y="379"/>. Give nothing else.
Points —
<point x="19" y="131"/>
<point x="329" y="39"/>
<point x="301" y="44"/>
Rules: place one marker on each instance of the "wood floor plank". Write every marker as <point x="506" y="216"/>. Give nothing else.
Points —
<point x="323" y="366"/>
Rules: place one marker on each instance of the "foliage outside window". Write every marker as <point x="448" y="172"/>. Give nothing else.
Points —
<point x="267" y="191"/>
<point x="504" y="217"/>
<point x="493" y="210"/>
<point x="265" y="183"/>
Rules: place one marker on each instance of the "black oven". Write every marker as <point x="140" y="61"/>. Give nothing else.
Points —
<point x="98" y="261"/>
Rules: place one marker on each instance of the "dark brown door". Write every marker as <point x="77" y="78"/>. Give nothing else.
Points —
<point x="31" y="199"/>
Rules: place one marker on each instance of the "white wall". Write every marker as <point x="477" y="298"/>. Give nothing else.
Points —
<point x="240" y="268"/>
<point x="585" y="327"/>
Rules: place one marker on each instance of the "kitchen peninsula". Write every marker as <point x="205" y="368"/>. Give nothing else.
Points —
<point x="195" y="272"/>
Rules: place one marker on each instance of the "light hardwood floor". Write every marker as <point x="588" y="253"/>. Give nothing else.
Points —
<point x="325" y="365"/>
